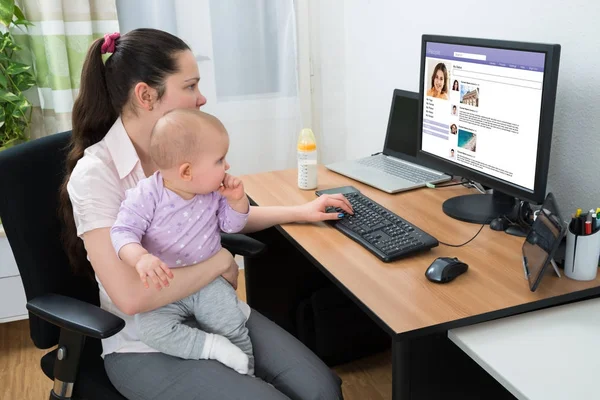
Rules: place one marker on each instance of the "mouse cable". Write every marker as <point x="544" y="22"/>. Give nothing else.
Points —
<point x="467" y="242"/>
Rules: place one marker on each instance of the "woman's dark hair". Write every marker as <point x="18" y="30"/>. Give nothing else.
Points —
<point x="440" y="67"/>
<point x="455" y="85"/>
<point x="142" y="55"/>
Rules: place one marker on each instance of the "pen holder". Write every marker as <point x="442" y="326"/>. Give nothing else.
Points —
<point x="581" y="256"/>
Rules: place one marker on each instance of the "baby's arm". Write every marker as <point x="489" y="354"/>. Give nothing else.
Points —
<point x="233" y="205"/>
<point x="233" y="191"/>
<point x="230" y="220"/>
<point x="134" y="218"/>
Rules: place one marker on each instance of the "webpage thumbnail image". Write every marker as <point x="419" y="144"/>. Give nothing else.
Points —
<point x="467" y="140"/>
<point x="469" y="94"/>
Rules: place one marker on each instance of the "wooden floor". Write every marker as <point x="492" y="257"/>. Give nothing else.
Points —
<point x="21" y="377"/>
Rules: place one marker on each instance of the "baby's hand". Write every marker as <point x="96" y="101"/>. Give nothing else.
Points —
<point x="233" y="191"/>
<point x="152" y="267"/>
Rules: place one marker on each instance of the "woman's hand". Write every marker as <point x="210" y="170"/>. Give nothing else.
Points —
<point x="315" y="210"/>
<point x="232" y="274"/>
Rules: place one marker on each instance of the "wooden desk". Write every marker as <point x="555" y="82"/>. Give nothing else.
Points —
<point x="398" y="295"/>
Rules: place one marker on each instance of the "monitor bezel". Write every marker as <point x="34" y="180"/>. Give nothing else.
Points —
<point x="551" y="64"/>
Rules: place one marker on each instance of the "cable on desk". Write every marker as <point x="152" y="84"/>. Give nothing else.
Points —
<point x="467" y="242"/>
<point x="465" y="182"/>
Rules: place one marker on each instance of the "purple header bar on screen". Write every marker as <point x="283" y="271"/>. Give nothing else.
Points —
<point x="524" y="60"/>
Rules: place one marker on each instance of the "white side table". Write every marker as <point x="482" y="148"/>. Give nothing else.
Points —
<point x="550" y="354"/>
<point x="12" y="294"/>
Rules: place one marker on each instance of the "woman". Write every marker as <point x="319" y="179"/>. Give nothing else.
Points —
<point x="146" y="74"/>
<point x="455" y="85"/>
<point x="439" y="82"/>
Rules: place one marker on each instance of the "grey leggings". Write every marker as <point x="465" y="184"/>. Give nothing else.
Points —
<point x="284" y="368"/>
<point x="215" y="308"/>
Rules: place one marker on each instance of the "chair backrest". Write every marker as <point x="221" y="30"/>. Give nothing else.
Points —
<point x="30" y="179"/>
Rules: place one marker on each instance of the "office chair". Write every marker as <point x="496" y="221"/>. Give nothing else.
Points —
<point x="63" y="307"/>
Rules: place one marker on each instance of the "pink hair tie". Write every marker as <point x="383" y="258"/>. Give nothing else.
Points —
<point x="109" y="42"/>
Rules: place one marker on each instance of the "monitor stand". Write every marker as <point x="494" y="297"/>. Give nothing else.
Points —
<point x="479" y="208"/>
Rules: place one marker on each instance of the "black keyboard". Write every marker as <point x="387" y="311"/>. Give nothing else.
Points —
<point x="381" y="231"/>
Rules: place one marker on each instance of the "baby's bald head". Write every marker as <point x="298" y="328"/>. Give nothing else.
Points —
<point x="180" y="135"/>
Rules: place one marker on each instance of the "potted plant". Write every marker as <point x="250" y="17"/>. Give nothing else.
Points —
<point x="15" y="78"/>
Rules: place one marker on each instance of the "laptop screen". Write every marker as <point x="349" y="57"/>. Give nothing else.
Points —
<point x="403" y="130"/>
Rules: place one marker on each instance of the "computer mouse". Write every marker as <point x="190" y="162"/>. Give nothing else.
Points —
<point x="499" y="224"/>
<point x="445" y="269"/>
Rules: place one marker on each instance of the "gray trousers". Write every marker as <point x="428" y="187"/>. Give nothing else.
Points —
<point x="215" y="309"/>
<point x="284" y="368"/>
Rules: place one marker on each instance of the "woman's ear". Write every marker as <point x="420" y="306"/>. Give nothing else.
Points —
<point x="145" y="96"/>
<point x="185" y="171"/>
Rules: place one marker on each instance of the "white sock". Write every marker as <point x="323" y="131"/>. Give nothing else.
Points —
<point x="217" y="347"/>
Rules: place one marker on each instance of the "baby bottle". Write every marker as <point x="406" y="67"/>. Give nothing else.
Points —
<point x="307" y="160"/>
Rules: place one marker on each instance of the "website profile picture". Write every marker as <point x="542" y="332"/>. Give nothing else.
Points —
<point x="451" y="153"/>
<point x="455" y="86"/>
<point x="453" y="129"/>
<point x="454" y="110"/>
<point x="438" y="83"/>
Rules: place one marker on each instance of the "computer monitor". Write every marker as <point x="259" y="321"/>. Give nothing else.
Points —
<point x="486" y="110"/>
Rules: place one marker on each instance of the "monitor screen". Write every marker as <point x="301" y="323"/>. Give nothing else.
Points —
<point x="481" y="109"/>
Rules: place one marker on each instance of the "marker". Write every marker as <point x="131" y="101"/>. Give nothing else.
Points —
<point x="578" y="213"/>
<point x="588" y="227"/>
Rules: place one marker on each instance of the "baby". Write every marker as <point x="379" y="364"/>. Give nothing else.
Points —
<point x="173" y="219"/>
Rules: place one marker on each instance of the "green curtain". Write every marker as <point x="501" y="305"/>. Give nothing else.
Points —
<point x="56" y="46"/>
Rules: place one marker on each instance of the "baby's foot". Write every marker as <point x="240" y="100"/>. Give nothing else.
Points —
<point x="222" y="350"/>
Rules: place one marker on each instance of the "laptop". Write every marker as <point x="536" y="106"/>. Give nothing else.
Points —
<point x="396" y="169"/>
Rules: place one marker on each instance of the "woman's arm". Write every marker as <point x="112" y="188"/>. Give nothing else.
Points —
<point x="123" y="284"/>
<point x="261" y="218"/>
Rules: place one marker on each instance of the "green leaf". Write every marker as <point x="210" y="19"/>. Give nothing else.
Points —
<point x="18" y="13"/>
<point x="7" y="42"/>
<point x="24" y="81"/>
<point x="7" y="9"/>
<point x="2" y="116"/>
<point x="8" y="97"/>
<point x="11" y="143"/>
<point x="21" y="109"/>
<point x="3" y="81"/>
<point x="23" y="22"/>
<point x="16" y="68"/>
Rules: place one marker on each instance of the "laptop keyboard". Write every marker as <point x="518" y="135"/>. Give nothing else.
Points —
<point x="400" y="170"/>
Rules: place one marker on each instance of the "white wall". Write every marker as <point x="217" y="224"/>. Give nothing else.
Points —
<point x="378" y="49"/>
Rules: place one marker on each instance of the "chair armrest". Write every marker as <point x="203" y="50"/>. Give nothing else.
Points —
<point x="76" y="315"/>
<point x="243" y="245"/>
